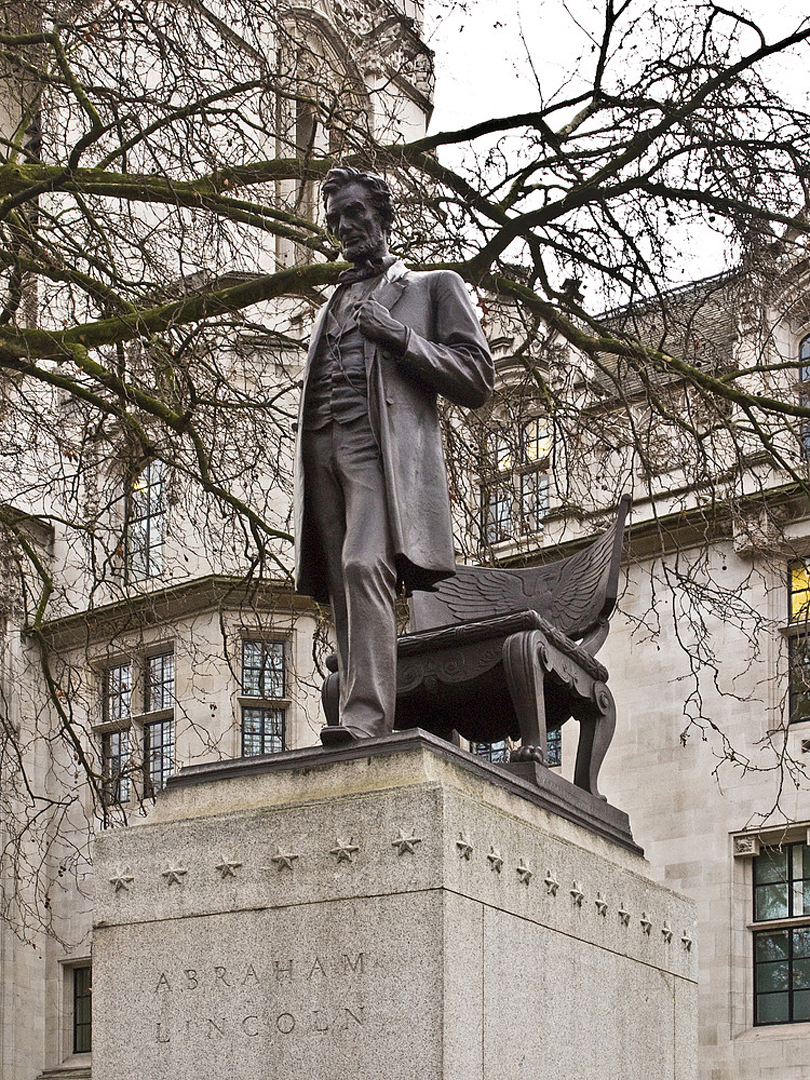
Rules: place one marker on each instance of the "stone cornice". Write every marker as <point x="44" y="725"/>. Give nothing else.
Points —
<point x="679" y="530"/>
<point x="168" y="606"/>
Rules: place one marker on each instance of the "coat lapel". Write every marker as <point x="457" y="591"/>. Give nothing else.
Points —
<point x="392" y="285"/>
<point x="317" y="330"/>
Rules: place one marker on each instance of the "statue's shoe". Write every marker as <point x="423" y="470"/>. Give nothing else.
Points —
<point x="335" y="735"/>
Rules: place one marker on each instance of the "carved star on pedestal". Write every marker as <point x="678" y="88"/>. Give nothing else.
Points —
<point x="524" y="873"/>
<point x="283" y="859"/>
<point x="601" y="904"/>
<point x="227" y="869"/>
<point x="465" y="848"/>
<point x="405" y="843"/>
<point x="646" y="925"/>
<point x="495" y="859"/>
<point x="686" y="941"/>
<point x="624" y="915"/>
<point x="667" y="933"/>
<point x="174" y="875"/>
<point x="345" y="851"/>
<point x="551" y="883"/>
<point x="577" y="895"/>
<point x="123" y="880"/>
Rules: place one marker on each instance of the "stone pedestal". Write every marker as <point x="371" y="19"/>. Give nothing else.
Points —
<point x="402" y="911"/>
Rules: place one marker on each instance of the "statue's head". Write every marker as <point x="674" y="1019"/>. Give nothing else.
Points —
<point x="359" y="211"/>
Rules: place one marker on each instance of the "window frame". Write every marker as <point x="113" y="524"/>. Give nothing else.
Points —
<point x="264" y="697"/>
<point x="153" y="518"/>
<point x="798" y="637"/>
<point x="264" y="713"/>
<point x="118" y="788"/>
<point x="496" y="753"/>
<point x="116" y="705"/>
<point x="167" y="699"/>
<point x="554" y="748"/>
<point x="67" y="1050"/>
<point x="153" y="783"/>
<point x="514" y="478"/>
<point x="76" y="999"/>
<point x="788" y="924"/>
<point x="261" y="685"/>
<point x="497" y="513"/>
<point x="803" y="359"/>
<point x="136" y="722"/>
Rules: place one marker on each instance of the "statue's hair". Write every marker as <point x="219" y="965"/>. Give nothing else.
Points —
<point x="381" y="198"/>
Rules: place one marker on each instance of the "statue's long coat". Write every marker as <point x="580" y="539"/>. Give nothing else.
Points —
<point x="446" y="354"/>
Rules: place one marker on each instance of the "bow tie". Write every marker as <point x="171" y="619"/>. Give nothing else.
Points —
<point x="364" y="271"/>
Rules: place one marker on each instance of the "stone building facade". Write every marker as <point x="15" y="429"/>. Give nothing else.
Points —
<point x="707" y="648"/>
<point x="167" y="646"/>
<point x="181" y="659"/>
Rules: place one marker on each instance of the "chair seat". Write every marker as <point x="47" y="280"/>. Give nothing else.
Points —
<point x="499" y="626"/>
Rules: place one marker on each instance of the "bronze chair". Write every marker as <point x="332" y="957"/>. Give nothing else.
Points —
<point x="499" y="652"/>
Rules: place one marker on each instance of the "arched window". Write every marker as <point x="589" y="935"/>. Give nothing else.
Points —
<point x="146" y="523"/>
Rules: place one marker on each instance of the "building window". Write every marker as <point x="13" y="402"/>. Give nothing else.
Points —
<point x="499" y="751"/>
<point x="116" y="753"/>
<point x="263" y="681"/>
<point x="495" y="752"/>
<point x="804" y="394"/>
<point x="159" y="682"/>
<point x="146" y="523"/>
<point x="116" y="749"/>
<point x="799" y="661"/>
<point x="262" y="731"/>
<point x="497" y="513"/>
<point x="533" y="500"/>
<point x="782" y="952"/>
<point x="554" y="747"/>
<point x="263" y="669"/>
<point x="799" y="640"/>
<point x="514" y="498"/>
<point x="117" y="703"/>
<point x="158" y="754"/>
<point x="82" y="1009"/>
<point x="142" y="752"/>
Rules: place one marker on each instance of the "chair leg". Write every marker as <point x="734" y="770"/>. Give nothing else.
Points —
<point x="524" y="678"/>
<point x="330" y="699"/>
<point x="596" y="727"/>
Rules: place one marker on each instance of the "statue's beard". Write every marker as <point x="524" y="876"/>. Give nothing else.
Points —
<point x="365" y="250"/>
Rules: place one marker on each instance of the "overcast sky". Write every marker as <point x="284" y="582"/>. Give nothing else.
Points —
<point x="491" y="55"/>
<point x="483" y="46"/>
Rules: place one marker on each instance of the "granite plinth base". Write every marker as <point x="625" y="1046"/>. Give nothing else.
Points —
<point x="402" y="914"/>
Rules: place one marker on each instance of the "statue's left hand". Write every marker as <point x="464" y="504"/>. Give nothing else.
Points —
<point x="377" y="324"/>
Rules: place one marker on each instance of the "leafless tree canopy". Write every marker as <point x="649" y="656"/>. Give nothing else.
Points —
<point x="161" y="251"/>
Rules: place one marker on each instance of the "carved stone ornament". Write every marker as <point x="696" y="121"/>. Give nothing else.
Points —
<point x="601" y="904"/>
<point x="666" y="933"/>
<point x="746" y="846"/>
<point x="345" y="850"/>
<point x="646" y="925"/>
<point x="465" y="848"/>
<point x="174" y="874"/>
<point x="122" y="880"/>
<point x="524" y="873"/>
<point x="577" y="895"/>
<point x="686" y="941"/>
<point x="624" y="916"/>
<point x="227" y="868"/>
<point x="551" y="883"/>
<point x="283" y="860"/>
<point x="495" y="859"/>
<point x="405" y="843"/>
